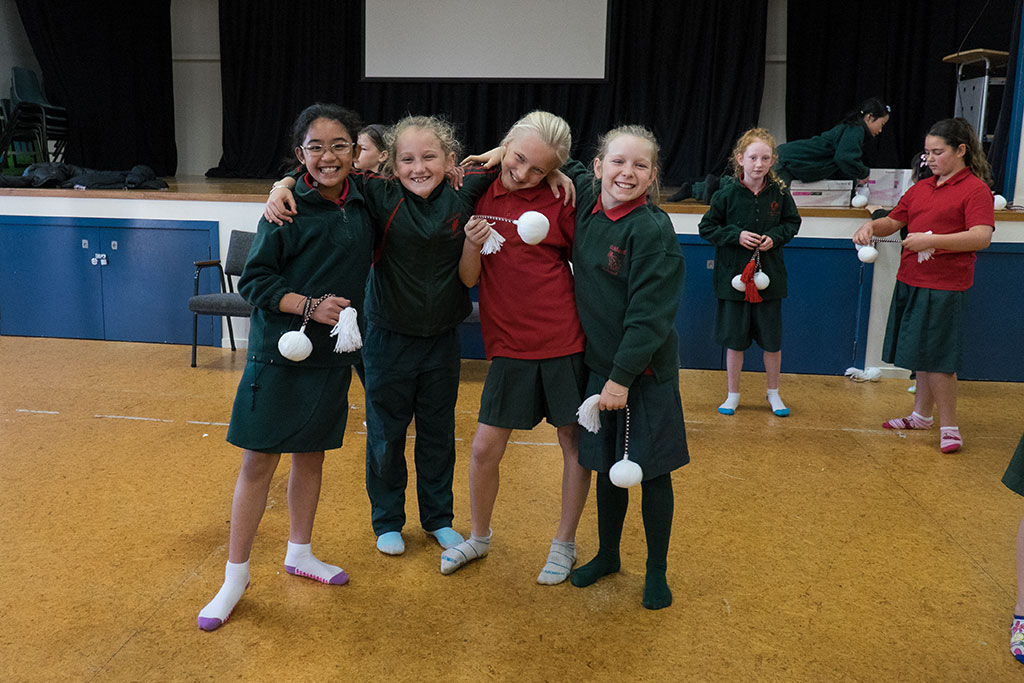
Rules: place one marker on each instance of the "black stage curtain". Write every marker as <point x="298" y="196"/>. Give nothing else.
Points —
<point x="998" y="153"/>
<point x="668" y="69"/>
<point x="109" y="64"/>
<point x="839" y="54"/>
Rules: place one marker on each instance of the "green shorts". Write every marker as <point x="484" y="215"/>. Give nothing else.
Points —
<point x="657" y="435"/>
<point x="925" y="329"/>
<point x="290" y="409"/>
<point x="519" y="393"/>
<point x="740" y="322"/>
<point x="1014" y="475"/>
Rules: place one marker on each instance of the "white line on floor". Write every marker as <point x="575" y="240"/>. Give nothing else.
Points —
<point x="129" y="417"/>
<point x="39" y="412"/>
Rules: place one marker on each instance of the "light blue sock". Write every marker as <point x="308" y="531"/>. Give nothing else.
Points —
<point x="447" y="537"/>
<point x="391" y="543"/>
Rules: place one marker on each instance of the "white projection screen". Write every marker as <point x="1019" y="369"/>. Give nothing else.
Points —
<point x="535" y="40"/>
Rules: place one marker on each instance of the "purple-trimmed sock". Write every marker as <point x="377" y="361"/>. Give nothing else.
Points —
<point x="217" y="611"/>
<point x="300" y="561"/>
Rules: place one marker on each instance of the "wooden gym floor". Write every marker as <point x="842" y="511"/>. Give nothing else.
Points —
<point x="813" y="548"/>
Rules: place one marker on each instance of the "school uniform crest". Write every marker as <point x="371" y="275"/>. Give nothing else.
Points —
<point x="616" y="257"/>
<point x="774" y="208"/>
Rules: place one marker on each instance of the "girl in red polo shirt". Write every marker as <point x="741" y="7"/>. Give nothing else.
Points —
<point x="949" y="216"/>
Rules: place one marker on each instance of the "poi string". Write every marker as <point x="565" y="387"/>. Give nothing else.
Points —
<point x="625" y="472"/>
<point x="532" y="227"/>
<point x="295" y="345"/>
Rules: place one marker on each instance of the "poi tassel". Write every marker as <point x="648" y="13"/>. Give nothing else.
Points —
<point x="589" y="415"/>
<point x="347" y="332"/>
<point x="747" y="278"/>
<point x="493" y="243"/>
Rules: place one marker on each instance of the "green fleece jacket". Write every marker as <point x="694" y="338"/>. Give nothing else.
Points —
<point x="326" y="250"/>
<point x="629" y="278"/>
<point x="836" y="153"/>
<point x="734" y="208"/>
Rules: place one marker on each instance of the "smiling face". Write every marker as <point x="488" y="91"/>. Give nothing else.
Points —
<point x="370" y="156"/>
<point x="420" y="162"/>
<point x="330" y="168"/>
<point x="526" y="162"/>
<point x="626" y="170"/>
<point x="942" y="159"/>
<point x="875" y="124"/>
<point x="756" y="161"/>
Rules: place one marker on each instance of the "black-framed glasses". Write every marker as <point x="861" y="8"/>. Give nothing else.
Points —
<point x="341" y="149"/>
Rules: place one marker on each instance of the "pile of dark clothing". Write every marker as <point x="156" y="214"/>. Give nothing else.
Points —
<point x="75" y="177"/>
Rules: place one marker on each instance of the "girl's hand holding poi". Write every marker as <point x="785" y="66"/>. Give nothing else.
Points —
<point x="330" y="310"/>
<point x="766" y="243"/>
<point x="919" y="241"/>
<point x="864" y="234"/>
<point x="558" y="180"/>
<point x="488" y="159"/>
<point x="477" y="230"/>
<point x="280" y="206"/>
<point x="750" y="240"/>
<point x="613" y="396"/>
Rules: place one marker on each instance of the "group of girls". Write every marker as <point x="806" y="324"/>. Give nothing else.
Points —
<point x="324" y="227"/>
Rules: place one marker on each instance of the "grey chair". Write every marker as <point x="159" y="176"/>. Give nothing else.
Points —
<point x="227" y="302"/>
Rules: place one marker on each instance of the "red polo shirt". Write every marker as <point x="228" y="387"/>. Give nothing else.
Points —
<point x="527" y="292"/>
<point x="954" y="206"/>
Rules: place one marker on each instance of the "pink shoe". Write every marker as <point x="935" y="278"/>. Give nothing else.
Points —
<point x="950" y="441"/>
<point x="909" y="422"/>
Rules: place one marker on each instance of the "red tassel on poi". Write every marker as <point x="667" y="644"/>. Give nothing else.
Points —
<point x="747" y="277"/>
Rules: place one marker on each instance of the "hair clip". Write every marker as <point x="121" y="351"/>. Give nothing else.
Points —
<point x="888" y="109"/>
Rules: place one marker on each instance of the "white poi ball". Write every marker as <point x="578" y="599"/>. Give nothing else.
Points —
<point x="867" y="253"/>
<point x="295" y="346"/>
<point x="738" y="284"/>
<point x="761" y="279"/>
<point x="625" y="473"/>
<point x="859" y="201"/>
<point x="999" y="202"/>
<point x="533" y="227"/>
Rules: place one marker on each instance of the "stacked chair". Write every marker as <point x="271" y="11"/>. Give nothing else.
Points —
<point x="30" y="121"/>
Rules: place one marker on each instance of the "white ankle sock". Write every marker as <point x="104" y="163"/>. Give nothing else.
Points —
<point x="217" y="611"/>
<point x="776" y="401"/>
<point x="730" y="404"/>
<point x="299" y="560"/>
<point x="467" y="551"/>
<point x="561" y="558"/>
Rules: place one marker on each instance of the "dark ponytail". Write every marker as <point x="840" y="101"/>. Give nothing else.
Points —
<point x="873" y="106"/>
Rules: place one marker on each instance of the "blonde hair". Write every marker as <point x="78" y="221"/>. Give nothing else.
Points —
<point x="750" y="137"/>
<point x="550" y="129"/>
<point x="640" y="132"/>
<point x="443" y="130"/>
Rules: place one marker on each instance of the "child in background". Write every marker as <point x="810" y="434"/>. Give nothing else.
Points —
<point x="751" y="212"/>
<point x="950" y="216"/>
<point x="373" y="152"/>
<point x="282" y="405"/>
<point x="535" y="343"/>
<point x="837" y="152"/>
<point x="629" y="274"/>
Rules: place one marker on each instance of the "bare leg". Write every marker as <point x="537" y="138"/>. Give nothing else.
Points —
<point x="249" y="502"/>
<point x="733" y="368"/>
<point x="488" y="448"/>
<point x="943" y="389"/>
<point x="575" y="484"/>
<point x="772" y="368"/>
<point x="924" y="399"/>
<point x="304" y="494"/>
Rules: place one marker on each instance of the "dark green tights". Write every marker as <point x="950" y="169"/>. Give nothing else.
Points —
<point x="657" y="507"/>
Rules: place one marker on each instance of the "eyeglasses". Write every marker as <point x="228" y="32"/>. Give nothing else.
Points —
<point x="341" y="149"/>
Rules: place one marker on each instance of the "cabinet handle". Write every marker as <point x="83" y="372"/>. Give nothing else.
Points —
<point x="99" y="260"/>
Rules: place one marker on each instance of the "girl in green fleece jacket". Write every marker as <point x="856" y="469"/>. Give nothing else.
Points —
<point x="752" y="211"/>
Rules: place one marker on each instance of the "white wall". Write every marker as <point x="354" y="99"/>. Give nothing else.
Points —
<point x="195" y="51"/>
<point x="773" y="101"/>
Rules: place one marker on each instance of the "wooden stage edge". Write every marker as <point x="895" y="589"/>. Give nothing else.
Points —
<point x="200" y="188"/>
